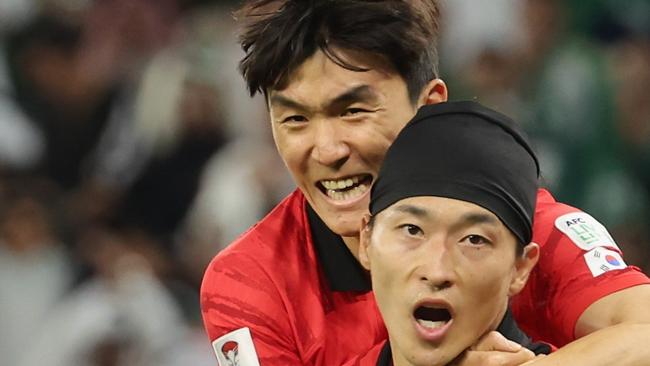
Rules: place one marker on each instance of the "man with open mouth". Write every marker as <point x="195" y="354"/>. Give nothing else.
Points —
<point x="447" y="251"/>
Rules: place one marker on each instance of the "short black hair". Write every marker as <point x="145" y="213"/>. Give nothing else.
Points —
<point x="279" y="35"/>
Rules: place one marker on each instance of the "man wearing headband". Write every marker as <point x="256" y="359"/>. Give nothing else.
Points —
<point x="448" y="239"/>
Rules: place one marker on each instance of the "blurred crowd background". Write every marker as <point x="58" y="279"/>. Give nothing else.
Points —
<point x="131" y="153"/>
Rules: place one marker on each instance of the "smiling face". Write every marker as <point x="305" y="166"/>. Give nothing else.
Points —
<point x="442" y="271"/>
<point x="332" y="127"/>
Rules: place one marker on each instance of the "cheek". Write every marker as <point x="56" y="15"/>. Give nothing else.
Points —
<point x="486" y="289"/>
<point x="391" y="268"/>
<point x="386" y="274"/>
<point x="382" y="274"/>
<point x="493" y="280"/>
<point x="388" y="290"/>
<point x="388" y="135"/>
<point x="374" y="135"/>
<point x="401" y="114"/>
<point x="292" y="151"/>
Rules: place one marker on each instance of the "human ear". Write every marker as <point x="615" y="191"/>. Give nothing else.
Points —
<point x="364" y="241"/>
<point x="434" y="92"/>
<point x="524" y="264"/>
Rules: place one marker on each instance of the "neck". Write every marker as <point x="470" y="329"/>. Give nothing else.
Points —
<point x="352" y="242"/>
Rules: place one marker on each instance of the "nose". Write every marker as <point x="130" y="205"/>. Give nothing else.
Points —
<point x="436" y="267"/>
<point x="330" y="148"/>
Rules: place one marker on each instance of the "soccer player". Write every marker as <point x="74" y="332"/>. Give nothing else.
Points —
<point x="448" y="241"/>
<point x="341" y="79"/>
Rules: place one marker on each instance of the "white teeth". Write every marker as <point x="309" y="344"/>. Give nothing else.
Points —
<point x="340" y="184"/>
<point x="431" y="324"/>
<point x="351" y="194"/>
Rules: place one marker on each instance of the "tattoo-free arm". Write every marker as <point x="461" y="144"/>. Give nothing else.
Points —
<point x="614" y="330"/>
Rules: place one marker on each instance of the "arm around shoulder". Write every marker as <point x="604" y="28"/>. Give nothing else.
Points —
<point x="594" y="304"/>
<point x="614" y="331"/>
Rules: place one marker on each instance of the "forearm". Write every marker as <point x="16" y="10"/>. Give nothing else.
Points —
<point x="624" y="344"/>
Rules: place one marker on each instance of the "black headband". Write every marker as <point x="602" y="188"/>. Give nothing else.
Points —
<point x="464" y="151"/>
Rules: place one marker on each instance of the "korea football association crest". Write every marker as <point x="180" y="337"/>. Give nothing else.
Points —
<point x="230" y="351"/>
<point x="236" y="349"/>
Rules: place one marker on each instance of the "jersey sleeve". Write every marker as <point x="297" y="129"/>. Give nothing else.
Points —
<point x="244" y="315"/>
<point x="579" y="264"/>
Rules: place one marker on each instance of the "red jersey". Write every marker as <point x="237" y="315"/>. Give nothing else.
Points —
<point x="579" y="264"/>
<point x="289" y="292"/>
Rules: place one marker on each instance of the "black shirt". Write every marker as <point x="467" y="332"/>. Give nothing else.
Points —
<point x="508" y="328"/>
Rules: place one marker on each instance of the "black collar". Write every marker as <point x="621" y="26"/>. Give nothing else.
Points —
<point x="508" y="328"/>
<point x="341" y="268"/>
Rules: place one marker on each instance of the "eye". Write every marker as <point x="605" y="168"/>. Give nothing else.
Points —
<point x="354" y="111"/>
<point x="295" y="118"/>
<point x="411" y="230"/>
<point x="476" y="240"/>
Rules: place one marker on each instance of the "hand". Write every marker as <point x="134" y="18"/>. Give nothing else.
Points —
<point x="493" y="349"/>
<point x="533" y="360"/>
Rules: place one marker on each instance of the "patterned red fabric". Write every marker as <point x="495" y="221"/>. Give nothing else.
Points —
<point x="270" y="281"/>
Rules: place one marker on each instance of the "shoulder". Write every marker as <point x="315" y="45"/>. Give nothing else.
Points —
<point x="556" y="222"/>
<point x="579" y="264"/>
<point x="548" y="209"/>
<point x="285" y="226"/>
<point x="282" y="232"/>
<point x="247" y="284"/>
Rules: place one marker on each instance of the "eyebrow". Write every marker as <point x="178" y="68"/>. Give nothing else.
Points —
<point x="468" y="219"/>
<point x="281" y="100"/>
<point x="358" y="93"/>
<point x="413" y="210"/>
<point x="475" y="218"/>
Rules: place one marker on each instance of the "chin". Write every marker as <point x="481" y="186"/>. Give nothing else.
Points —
<point x="342" y="222"/>
<point x="426" y="354"/>
<point x="431" y="358"/>
<point x="347" y="228"/>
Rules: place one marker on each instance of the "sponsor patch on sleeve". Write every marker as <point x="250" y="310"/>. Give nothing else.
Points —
<point x="236" y="349"/>
<point x="601" y="260"/>
<point x="585" y="231"/>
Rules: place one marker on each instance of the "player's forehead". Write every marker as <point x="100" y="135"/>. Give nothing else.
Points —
<point x="442" y="210"/>
<point x="323" y="76"/>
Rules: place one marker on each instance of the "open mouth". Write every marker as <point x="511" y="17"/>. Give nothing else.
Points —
<point x="431" y="317"/>
<point x="347" y="188"/>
